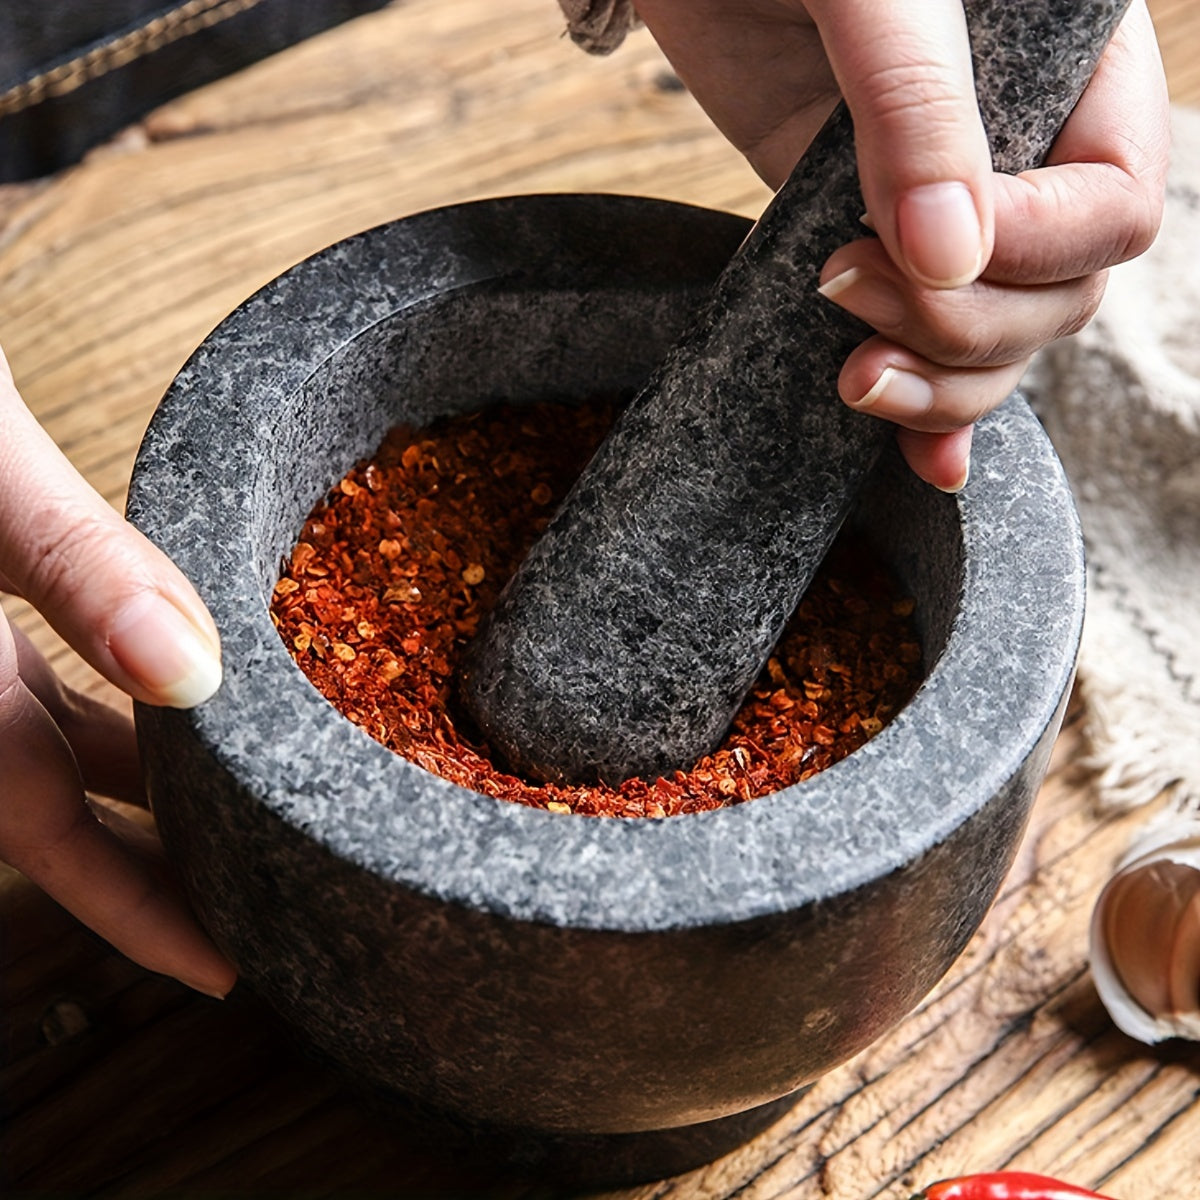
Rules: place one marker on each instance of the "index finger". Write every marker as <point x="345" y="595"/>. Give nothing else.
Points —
<point x="113" y="596"/>
<point x="904" y="68"/>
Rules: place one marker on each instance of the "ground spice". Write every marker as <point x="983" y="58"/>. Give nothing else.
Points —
<point x="395" y="569"/>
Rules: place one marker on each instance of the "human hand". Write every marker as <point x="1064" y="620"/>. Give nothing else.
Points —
<point x="972" y="271"/>
<point x="129" y="612"/>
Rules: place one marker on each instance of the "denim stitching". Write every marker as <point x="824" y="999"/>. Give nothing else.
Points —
<point x="187" y="19"/>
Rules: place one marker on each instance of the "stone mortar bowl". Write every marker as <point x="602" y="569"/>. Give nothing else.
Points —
<point x="642" y="994"/>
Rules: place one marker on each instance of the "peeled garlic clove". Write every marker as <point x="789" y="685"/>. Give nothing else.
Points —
<point x="1145" y="935"/>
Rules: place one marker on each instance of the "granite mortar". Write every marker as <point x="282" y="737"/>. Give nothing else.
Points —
<point x="633" y="997"/>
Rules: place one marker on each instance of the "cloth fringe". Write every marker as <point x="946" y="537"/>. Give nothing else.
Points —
<point x="599" y="26"/>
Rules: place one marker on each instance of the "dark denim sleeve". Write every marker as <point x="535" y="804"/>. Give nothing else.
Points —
<point x="73" y="72"/>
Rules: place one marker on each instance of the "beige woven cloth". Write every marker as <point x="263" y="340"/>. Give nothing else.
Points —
<point x="1121" y="402"/>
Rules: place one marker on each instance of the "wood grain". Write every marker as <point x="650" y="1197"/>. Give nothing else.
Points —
<point x="117" y="1083"/>
<point x="1177" y="23"/>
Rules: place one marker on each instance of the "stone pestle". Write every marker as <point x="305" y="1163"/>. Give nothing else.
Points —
<point x="633" y="630"/>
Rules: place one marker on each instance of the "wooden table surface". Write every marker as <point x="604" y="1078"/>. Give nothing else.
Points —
<point x="118" y="1083"/>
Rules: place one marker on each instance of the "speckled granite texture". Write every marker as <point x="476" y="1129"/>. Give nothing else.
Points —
<point x="501" y="963"/>
<point x="638" y="623"/>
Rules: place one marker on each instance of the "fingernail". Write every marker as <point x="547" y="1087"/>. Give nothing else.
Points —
<point x="897" y="395"/>
<point x="962" y="483"/>
<point x="940" y="235"/>
<point x="831" y="289"/>
<point x="194" y="609"/>
<point x="867" y="220"/>
<point x="867" y="296"/>
<point x="156" y="644"/>
<point x="204" y="989"/>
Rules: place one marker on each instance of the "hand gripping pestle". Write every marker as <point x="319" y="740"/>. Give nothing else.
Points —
<point x="627" y="639"/>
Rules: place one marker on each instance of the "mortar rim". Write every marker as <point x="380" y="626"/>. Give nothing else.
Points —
<point x="665" y="857"/>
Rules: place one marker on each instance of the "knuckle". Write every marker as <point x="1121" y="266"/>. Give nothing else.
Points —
<point x="957" y="332"/>
<point x="63" y="556"/>
<point x="957" y="403"/>
<point x="971" y="399"/>
<point x="42" y="849"/>
<point x="917" y="89"/>
<point x="1133" y="208"/>
<point x="1091" y="292"/>
<point x="10" y="678"/>
<point x="1143" y="223"/>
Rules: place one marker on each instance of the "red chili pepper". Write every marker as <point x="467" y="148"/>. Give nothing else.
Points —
<point x="1006" y="1185"/>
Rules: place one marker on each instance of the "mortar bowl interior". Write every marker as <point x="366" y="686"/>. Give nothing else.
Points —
<point x="516" y="967"/>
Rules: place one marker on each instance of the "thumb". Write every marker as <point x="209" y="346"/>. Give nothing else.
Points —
<point x="112" y="595"/>
<point x="904" y="68"/>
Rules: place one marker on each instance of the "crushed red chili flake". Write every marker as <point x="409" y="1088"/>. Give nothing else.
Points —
<point x="395" y="569"/>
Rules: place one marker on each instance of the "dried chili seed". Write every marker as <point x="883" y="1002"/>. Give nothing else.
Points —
<point x="372" y="604"/>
